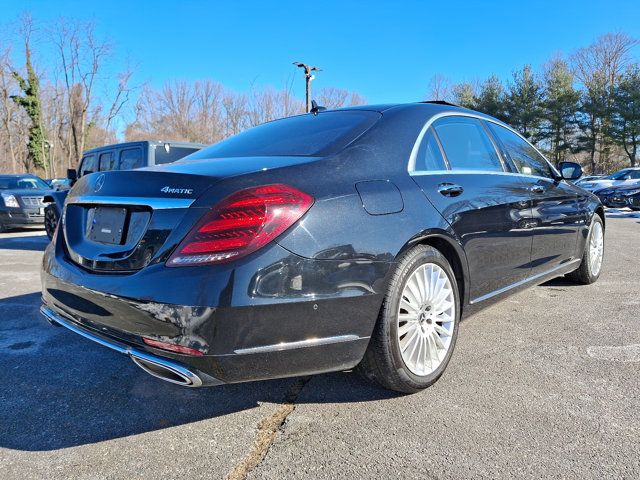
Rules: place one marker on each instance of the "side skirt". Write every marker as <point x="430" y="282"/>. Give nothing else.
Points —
<point x="490" y="298"/>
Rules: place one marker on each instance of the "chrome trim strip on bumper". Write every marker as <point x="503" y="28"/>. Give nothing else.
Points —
<point x="136" y="355"/>
<point x="312" y="342"/>
<point x="154" y="203"/>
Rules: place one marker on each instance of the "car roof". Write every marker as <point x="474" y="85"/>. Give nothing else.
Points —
<point x="147" y="142"/>
<point x="18" y="175"/>
<point x="430" y="107"/>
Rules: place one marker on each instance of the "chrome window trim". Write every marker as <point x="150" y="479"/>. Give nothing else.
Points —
<point x="153" y="202"/>
<point x="475" y="172"/>
<point x="414" y="151"/>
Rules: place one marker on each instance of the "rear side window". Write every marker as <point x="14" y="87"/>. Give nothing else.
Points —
<point x="526" y="159"/>
<point x="130" y="159"/>
<point x="304" y="135"/>
<point x="466" y="144"/>
<point x="88" y="165"/>
<point x="106" y="162"/>
<point x="172" y="154"/>
<point x="429" y="155"/>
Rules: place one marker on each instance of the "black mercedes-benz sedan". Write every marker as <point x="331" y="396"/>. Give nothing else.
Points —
<point x="337" y="239"/>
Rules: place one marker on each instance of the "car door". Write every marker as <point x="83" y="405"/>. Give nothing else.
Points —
<point x="559" y="208"/>
<point x="462" y="175"/>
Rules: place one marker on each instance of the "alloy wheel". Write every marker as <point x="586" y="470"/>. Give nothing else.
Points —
<point x="596" y="248"/>
<point x="426" y="318"/>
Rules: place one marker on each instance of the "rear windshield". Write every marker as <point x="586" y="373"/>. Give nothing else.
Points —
<point x="23" y="183"/>
<point x="303" y="135"/>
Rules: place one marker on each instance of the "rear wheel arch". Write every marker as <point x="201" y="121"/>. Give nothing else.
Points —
<point x="454" y="254"/>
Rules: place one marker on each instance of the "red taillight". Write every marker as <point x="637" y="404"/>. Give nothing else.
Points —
<point x="241" y="224"/>
<point x="172" y="347"/>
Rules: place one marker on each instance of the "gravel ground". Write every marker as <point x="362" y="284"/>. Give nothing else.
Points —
<point x="544" y="384"/>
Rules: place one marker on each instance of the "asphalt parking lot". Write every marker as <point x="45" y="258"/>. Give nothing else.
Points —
<point x="545" y="384"/>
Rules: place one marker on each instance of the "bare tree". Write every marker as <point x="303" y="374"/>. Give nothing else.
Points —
<point x="332" y="97"/>
<point x="8" y="107"/>
<point x="235" y="112"/>
<point x="440" y="88"/>
<point x="81" y="57"/>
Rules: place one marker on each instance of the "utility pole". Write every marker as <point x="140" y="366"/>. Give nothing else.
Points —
<point x="308" y="76"/>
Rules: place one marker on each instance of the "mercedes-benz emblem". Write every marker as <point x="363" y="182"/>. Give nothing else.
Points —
<point x="99" y="183"/>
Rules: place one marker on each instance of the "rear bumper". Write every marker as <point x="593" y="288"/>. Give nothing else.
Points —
<point x="242" y="317"/>
<point x="165" y="369"/>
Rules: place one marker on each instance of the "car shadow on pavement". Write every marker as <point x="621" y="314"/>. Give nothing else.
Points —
<point x="31" y="242"/>
<point x="560" y="282"/>
<point x="60" y="390"/>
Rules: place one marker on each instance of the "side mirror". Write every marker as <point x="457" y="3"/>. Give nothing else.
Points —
<point x="570" y="170"/>
<point x="72" y="175"/>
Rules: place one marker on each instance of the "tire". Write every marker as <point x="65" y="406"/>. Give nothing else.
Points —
<point x="50" y="220"/>
<point x="384" y="361"/>
<point x="586" y="274"/>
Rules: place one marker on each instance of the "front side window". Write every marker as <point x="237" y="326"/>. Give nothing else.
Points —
<point x="429" y="156"/>
<point x="466" y="144"/>
<point x="23" y="183"/>
<point x="526" y="159"/>
<point x="131" y="158"/>
<point x="625" y="175"/>
<point x="88" y="165"/>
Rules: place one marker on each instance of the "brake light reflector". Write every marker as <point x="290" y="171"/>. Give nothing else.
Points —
<point x="172" y="347"/>
<point x="241" y="224"/>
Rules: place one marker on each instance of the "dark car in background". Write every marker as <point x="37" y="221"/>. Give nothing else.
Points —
<point x="620" y="197"/>
<point x="120" y="156"/>
<point x="317" y="243"/>
<point x="21" y="200"/>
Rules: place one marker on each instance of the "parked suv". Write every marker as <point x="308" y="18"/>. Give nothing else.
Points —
<point x="119" y="156"/>
<point x="21" y="200"/>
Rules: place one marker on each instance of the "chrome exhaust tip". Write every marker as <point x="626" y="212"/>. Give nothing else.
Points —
<point x="159" y="367"/>
<point x="169" y="372"/>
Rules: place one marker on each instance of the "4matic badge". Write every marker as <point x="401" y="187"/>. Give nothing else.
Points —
<point x="187" y="191"/>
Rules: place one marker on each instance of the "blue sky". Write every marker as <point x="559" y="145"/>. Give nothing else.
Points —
<point x="387" y="51"/>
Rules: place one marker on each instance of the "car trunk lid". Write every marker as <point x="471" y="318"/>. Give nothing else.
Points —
<point x="125" y="220"/>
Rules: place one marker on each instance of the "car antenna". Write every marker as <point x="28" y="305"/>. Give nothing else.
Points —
<point x="315" y="108"/>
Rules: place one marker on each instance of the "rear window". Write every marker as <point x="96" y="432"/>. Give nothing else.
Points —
<point x="131" y="158"/>
<point x="169" y="154"/>
<point x="106" y="164"/>
<point x="466" y="144"/>
<point x="429" y="155"/>
<point x="303" y="135"/>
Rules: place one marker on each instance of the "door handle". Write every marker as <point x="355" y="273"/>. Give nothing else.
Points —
<point x="450" y="189"/>
<point x="537" y="189"/>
